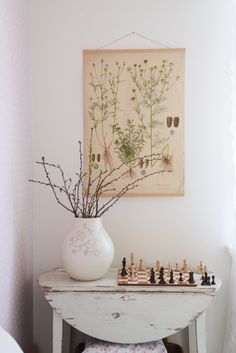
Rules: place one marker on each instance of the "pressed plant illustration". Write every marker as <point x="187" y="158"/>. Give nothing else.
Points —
<point x="134" y="103"/>
<point x="129" y="143"/>
<point x="166" y="159"/>
<point x="151" y="86"/>
<point x="104" y="104"/>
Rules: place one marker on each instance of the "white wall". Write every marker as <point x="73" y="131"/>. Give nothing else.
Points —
<point x="16" y="269"/>
<point x="197" y="226"/>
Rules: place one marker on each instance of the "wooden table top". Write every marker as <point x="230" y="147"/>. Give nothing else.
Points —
<point x="124" y="314"/>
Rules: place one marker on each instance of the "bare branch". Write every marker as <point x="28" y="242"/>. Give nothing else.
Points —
<point x="123" y="191"/>
<point x="54" y="187"/>
<point x="85" y="194"/>
<point x="125" y="172"/>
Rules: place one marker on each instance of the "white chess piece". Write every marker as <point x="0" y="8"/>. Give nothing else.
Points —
<point x="141" y="268"/>
<point x="132" y="273"/>
<point x="131" y="259"/>
<point x="158" y="266"/>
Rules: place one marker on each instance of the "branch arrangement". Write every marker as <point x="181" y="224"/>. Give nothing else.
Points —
<point x="83" y="197"/>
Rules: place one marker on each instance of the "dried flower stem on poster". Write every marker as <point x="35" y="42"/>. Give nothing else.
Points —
<point x="134" y="100"/>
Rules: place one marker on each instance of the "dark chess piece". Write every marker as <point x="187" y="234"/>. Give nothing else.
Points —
<point x="180" y="277"/>
<point x="204" y="279"/>
<point x="207" y="279"/>
<point x="191" y="278"/>
<point x="162" y="279"/>
<point x="213" y="280"/>
<point x="171" y="277"/>
<point x="123" y="271"/>
<point x="152" y="277"/>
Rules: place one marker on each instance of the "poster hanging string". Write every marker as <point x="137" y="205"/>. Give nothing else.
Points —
<point x="136" y="34"/>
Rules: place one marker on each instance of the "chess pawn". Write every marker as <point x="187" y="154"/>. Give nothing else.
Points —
<point x="132" y="270"/>
<point x="180" y="277"/>
<point x="213" y="280"/>
<point x="191" y="278"/>
<point x="171" y="280"/>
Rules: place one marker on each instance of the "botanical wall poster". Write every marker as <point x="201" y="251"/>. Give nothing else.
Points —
<point x="134" y="101"/>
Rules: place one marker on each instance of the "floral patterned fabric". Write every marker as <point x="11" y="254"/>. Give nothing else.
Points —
<point x="98" y="346"/>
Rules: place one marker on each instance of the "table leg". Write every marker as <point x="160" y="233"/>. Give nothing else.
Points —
<point x="57" y="333"/>
<point x="197" y="335"/>
<point x="66" y="337"/>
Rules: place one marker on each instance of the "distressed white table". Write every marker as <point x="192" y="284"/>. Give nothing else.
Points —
<point x="126" y="314"/>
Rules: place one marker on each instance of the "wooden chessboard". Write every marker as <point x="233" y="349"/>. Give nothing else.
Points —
<point x="142" y="278"/>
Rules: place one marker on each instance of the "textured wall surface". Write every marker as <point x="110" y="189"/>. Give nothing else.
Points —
<point x="15" y="165"/>
<point x="197" y="226"/>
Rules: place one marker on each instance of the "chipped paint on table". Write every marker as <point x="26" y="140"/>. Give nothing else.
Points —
<point x="107" y="311"/>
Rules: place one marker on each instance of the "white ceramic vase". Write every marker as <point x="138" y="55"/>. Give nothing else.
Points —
<point x="87" y="251"/>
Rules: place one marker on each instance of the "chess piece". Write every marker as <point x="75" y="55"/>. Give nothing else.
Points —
<point x="141" y="268"/>
<point x="131" y="259"/>
<point x="177" y="267"/>
<point x="171" y="277"/>
<point x="158" y="266"/>
<point x="152" y="276"/>
<point x="180" y="277"/>
<point x="169" y="268"/>
<point x="161" y="278"/>
<point x="123" y="271"/>
<point x="185" y="266"/>
<point x="201" y="268"/>
<point x="205" y="269"/>
<point x="213" y="280"/>
<point x="132" y="272"/>
<point x="191" y="278"/>
<point x="204" y="279"/>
